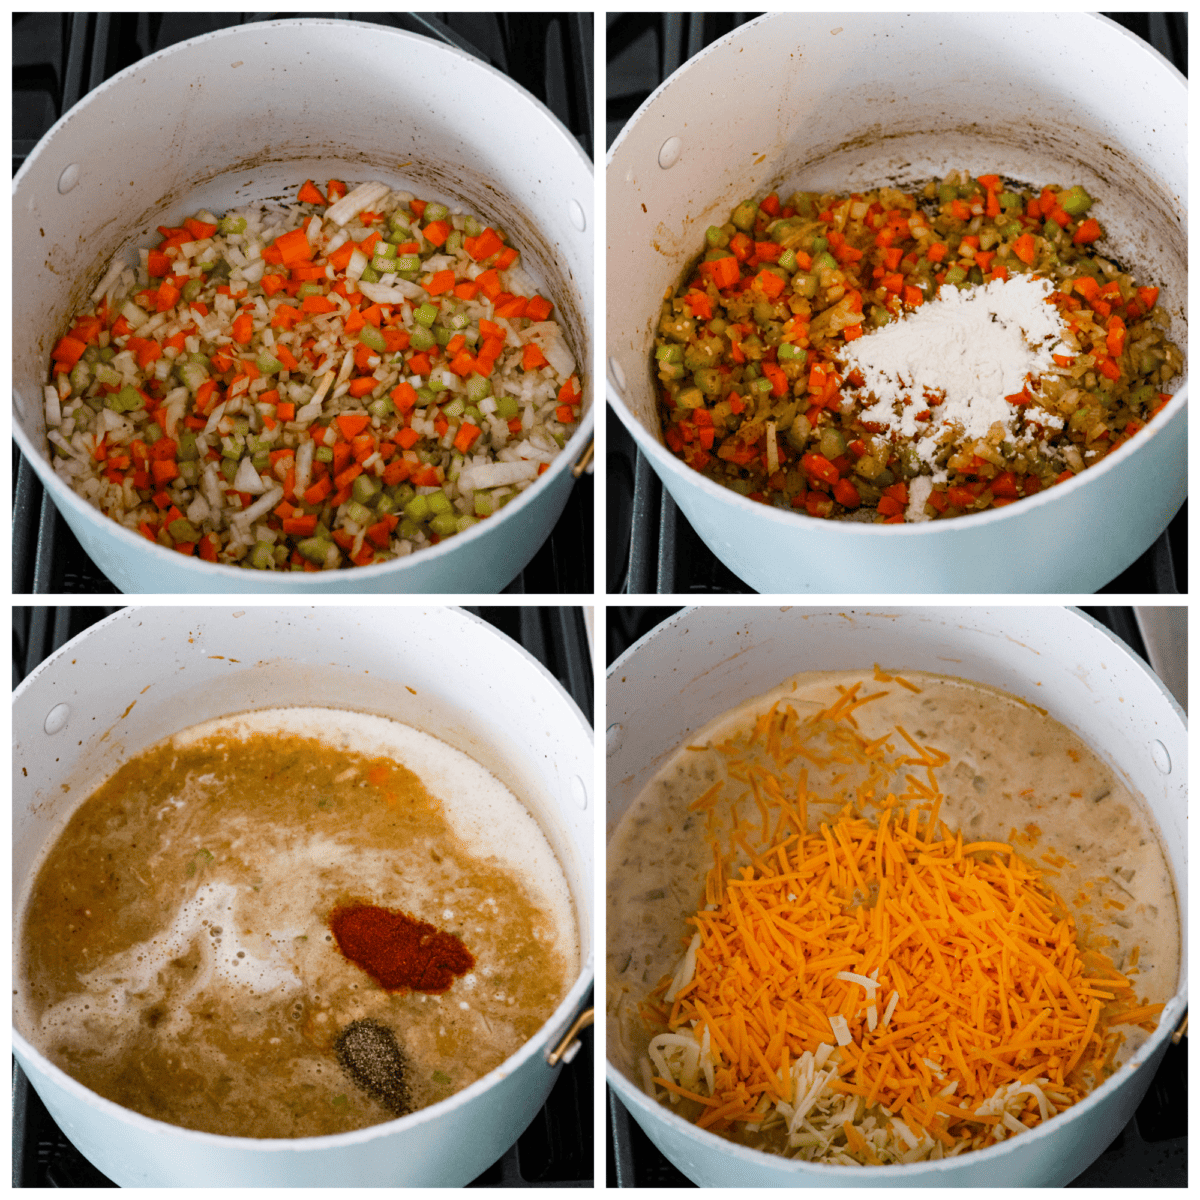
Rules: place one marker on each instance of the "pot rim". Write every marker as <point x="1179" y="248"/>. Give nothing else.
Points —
<point x="665" y="461"/>
<point x="556" y="1024"/>
<point x="304" y="581"/>
<point x="634" y="1098"/>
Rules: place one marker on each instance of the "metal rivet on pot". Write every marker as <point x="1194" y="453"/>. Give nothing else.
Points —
<point x="616" y="734"/>
<point x="668" y="156"/>
<point x="56" y="719"/>
<point x="614" y="369"/>
<point x="1162" y="759"/>
<point x="68" y="179"/>
<point x="577" y="215"/>
<point x="579" y="791"/>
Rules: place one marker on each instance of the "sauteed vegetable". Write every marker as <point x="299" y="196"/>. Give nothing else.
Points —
<point x="889" y="357"/>
<point x="341" y="382"/>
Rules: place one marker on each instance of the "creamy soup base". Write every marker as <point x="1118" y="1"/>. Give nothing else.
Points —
<point x="1014" y="775"/>
<point x="175" y="952"/>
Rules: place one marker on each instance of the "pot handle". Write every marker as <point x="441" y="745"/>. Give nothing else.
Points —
<point x="1180" y="1031"/>
<point x="568" y="1047"/>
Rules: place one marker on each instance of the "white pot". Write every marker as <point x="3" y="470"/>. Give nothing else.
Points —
<point x="249" y="113"/>
<point x="474" y="688"/>
<point x="851" y="100"/>
<point x="703" y="662"/>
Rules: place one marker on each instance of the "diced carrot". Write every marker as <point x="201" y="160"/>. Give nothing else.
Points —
<point x="532" y="357"/>
<point x="724" y="272"/>
<point x="466" y="290"/>
<point x="1025" y="250"/>
<point x="363" y="385"/>
<point x="243" y="328"/>
<point x="570" y="392"/>
<point x="1088" y="232"/>
<point x="317" y="304"/>
<point x="302" y="526"/>
<point x="420" y="364"/>
<point x="164" y="472"/>
<point x="538" y="308"/>
<point x="439" y="282"/>
<point x="285" y="410"/>
<point x="483" y="246"/>
<point x="466" y="437"/>
<point x="294" y="247"/>
<point x="310" y="194"/>
<point x="68" y="351"/>
<point x="436" y="232"/>
<point x="408" y="438"/>
<point x="157" y="264"/>
<point x="352" y="423"/>
<point x="318" y="491"/>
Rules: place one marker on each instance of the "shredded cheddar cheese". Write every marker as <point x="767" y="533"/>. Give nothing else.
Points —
<point x="995" y="1016"/>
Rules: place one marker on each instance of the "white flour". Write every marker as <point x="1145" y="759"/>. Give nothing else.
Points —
<point x="971" y="347"/>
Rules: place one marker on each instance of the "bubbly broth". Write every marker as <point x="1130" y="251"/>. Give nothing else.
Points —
<point x="1014" y="775"/>
<point x="175" y="953"/>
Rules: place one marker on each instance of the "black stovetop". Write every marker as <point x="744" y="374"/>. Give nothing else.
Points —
<point x="557" y="1148"/>
<point x="59" y="57"/>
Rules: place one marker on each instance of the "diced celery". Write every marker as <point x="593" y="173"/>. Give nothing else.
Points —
<point x="192" y="289"/>
<point x="478" y="386"/>
<point x="309" y="289"/>
<point x="262" y="557"/>
<point x="370" y="336"/>
<point x="363" y="488"/>
<point x="417" y="509"/>
<point x="507" y="407"/>
<point x="268" y="364"/>
<point x="444" y="524"/>
<point x="409" y="529"/>
<point x="187" y="445"/>
<point x="465" y="521"/>
<point x="422" y="339"/>
<point x="385" y="250"/>
<point x="439" y="502"/>
<point x="229" y="225"/>
<point x="454" y="242"/>
<point x="182" y="530"/>
<point x="408" y="262"/>
<point x="369" y="275"/>
<point x="483" y="504"/>
<point x="436" y="212"/>
<point x="425" y="315"/>
<point x="359" y="513"/>
<point x="455" y="408"/>
<point x="314" y="549"/>
<point x="323" y="454"/>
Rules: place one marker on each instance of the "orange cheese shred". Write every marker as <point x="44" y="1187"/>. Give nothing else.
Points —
<point x="976" y="961"/>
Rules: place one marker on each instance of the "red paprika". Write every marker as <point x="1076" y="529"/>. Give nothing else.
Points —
<point x="400" y="952"/>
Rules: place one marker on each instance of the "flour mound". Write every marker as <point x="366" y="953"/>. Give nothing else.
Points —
<point x="968" y="349"/>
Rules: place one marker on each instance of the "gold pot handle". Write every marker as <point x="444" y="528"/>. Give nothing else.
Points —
<point x="568" y="1047"/>
<point x="1180" y="1031"/>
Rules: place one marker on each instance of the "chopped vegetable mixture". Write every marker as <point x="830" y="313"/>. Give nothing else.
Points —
<point x="751" y="352"/>
<point x="336" y="383"/>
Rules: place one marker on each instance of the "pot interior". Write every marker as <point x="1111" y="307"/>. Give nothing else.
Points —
<point x="848" y="102"/>
<point x="179" y="667"/>
<point x="312" y="99"/>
